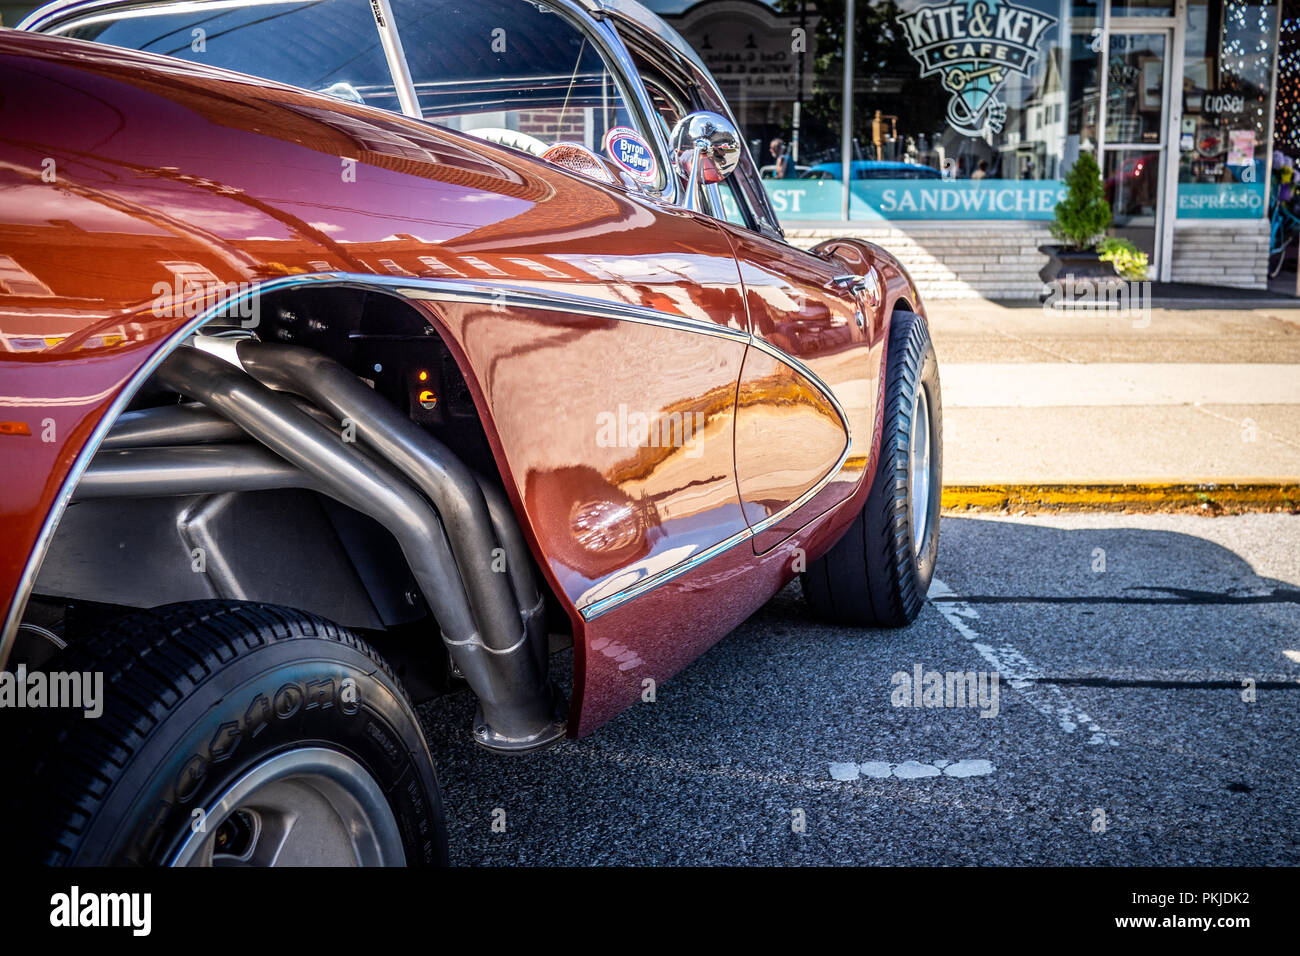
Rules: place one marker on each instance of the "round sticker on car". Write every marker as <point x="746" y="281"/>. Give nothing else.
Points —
<point x="626" y="148"/>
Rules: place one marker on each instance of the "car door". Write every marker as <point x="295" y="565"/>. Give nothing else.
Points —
<point x="808" y="395"/>
<point x="806" y="405"/>
<point x="618" y="430"/>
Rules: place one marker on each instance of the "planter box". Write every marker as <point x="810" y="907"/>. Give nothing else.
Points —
<point x="1065" y="263"/>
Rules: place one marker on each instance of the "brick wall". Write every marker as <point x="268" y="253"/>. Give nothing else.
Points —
<point x="552" y="126"/>
<point x="1222" y="252"/>
<point x="955" y="260"/>
<point x="961" y="260"/>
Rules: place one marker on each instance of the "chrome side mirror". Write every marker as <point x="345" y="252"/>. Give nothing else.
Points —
<point x="705" y="148"/>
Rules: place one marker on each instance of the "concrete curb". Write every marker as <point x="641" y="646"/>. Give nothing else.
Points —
<point x="1209" y="497"/>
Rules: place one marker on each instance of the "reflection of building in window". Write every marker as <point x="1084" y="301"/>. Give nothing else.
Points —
<point x="757" y="58"/>
<point x="1032" y="148"/>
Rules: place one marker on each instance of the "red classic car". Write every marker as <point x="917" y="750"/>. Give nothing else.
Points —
<point x="354" y="351"/>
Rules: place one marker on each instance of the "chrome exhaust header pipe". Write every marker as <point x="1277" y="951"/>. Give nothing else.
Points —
<point x="189" y="424"/>
<point x="497" y="645"/>
<point x="186" y="470"/>
<point x="511" y="625"/>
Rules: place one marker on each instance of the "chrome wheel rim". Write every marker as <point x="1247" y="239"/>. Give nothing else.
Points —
<point x="306" y="807"/>
<point x="920" y="469"/>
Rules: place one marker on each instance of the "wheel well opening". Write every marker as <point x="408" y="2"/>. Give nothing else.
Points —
<point x="297" y="546"/>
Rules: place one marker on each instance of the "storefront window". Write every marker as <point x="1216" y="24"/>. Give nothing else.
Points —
<point x="1228" y="62"/>
<point x="975" y="109"/>
<point x="1084" y="90"/>
<point x="780" y="66"/>
<point x="959" y="107"/>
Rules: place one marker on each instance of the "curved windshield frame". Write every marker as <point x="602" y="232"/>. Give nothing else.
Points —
<point x="326" y="46"/>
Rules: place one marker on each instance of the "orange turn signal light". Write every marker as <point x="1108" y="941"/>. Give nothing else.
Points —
<point x="15" y="428"/>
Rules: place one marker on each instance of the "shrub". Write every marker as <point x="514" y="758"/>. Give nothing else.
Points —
<point x="1083" y="215"/>
<point x="1129" y="261"/>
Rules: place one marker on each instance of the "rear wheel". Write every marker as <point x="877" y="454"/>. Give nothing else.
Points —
<point x="233" y="734"/>
<point x="878" y="574"/>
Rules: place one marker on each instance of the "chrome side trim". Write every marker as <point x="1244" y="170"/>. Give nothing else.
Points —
<point x="776" y="353"/>
<point x="803" y="499"/>
<point x="447" y="290"/>
<point x="606" y="604"/>
<point x="550" y="300"/>
<point x="596" y="608"/>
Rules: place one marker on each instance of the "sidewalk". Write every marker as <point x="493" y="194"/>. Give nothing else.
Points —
<point x="1195" y="396"/>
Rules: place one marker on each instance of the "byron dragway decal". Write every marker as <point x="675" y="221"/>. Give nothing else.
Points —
<point x="626" y="147"/>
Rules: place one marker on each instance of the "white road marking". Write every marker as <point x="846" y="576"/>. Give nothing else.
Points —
<point x="910" y="769"/>
<point x="1016" y="669"/>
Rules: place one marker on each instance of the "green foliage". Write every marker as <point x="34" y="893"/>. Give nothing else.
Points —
<point x="1083" y="215"/>
<point x="1129" y="261"/>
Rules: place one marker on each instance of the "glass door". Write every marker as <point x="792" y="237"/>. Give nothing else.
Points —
<point x="1135" y="138"/>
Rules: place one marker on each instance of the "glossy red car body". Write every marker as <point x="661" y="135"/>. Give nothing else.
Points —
<point x="115" y="166"/>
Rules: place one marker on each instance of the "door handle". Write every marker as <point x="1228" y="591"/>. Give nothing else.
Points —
<point x="865" y="285"/>
<point x="853" y="283"/>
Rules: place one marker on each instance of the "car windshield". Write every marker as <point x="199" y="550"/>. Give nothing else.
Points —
<point x="328" y="46"/>
<point x="512" y="71"/>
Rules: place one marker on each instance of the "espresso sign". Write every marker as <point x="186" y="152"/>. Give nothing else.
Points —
<point x="974" y="45"/>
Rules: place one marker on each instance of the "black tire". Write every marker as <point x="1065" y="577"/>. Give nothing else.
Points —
<point x="875" y="576"/>
<point x="195" y="695"/>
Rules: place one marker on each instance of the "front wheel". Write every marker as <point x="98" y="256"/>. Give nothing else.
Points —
<point x="233" y="734"/>
<point x="878" y="574"/>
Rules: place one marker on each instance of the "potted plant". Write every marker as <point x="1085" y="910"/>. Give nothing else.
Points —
<point x="1129" y="261"/>
<point x="1081" y="221"/>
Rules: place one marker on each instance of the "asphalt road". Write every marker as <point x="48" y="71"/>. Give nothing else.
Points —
<point x="1121" y="735"/>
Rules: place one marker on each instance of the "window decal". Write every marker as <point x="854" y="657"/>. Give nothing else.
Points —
<point x="975" y="45"/>
<point x="626" y="147"/>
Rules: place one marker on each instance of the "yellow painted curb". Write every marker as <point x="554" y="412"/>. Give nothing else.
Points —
<point x="1216" y="497"/>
